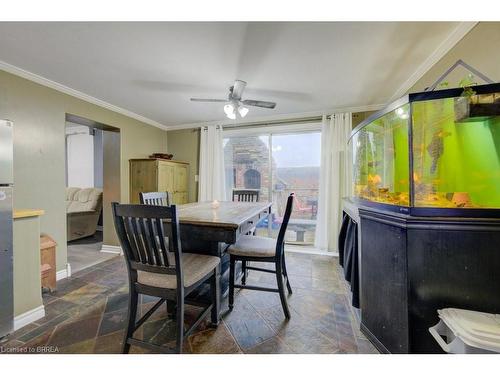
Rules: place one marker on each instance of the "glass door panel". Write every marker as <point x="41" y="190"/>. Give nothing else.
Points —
<point x="277" y="165"/>
<point x="246" y="163"/>
<point x="296" y="169"/>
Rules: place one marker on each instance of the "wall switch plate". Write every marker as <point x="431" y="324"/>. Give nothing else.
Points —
<point x="195" y="178"/>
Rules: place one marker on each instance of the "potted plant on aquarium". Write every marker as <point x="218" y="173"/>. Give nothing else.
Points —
<point x="471" y="107"/>
<point x="463" y="102"/>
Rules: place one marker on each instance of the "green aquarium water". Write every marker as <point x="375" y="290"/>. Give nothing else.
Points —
<point x="456" y="162"/>
<point x="455" y="145"/>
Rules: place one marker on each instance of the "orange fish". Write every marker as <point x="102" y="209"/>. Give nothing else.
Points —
<point x="374" y="179"/>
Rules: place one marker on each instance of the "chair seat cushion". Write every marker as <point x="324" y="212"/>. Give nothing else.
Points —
<point x="254" y="246"/>
<point x="194" y="267"/>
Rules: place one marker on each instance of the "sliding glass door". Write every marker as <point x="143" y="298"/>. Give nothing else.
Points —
<point x="278" y="164"/>
<point x="247" y="165"/>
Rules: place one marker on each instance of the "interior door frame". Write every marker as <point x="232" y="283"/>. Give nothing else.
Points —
<point x="112" y="145"/>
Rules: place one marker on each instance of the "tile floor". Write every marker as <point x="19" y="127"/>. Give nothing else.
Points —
<point x="87" y="315"/>
<point x="86" y="252"/>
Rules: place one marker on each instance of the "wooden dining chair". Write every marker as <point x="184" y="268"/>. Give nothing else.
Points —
<point x="159" y="198"/>
<point x="262" y="249"/>
<point x="245" y="195"/>
<point x="156" y="198"/>
<point x="150" y="239"/>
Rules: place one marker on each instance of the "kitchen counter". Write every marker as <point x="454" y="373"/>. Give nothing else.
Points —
<point x="24" y="212"/>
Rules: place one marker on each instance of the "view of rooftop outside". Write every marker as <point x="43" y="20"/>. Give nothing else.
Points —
<point x="278" y="165"/>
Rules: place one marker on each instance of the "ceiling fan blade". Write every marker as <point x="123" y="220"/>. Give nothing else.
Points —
<point x="259" y="103"/>
<point x="238" y="88"/>
<point x="209" y="100"/>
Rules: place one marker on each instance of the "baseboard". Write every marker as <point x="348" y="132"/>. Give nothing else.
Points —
<point x="111" y="249"/>
<point x="28" y="317"/>
<point x="62" y="274"/>
<point x="309" y="250"/>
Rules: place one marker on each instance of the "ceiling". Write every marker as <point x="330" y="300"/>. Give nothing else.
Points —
<point x="152" y="69"/>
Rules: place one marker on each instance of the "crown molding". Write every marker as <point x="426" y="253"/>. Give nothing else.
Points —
<point x="9" y="68"/>
<point x="453" y="38"/>
<point x="287" y="116"/>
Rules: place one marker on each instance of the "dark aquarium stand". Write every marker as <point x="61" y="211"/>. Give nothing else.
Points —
<point x="413" y="261"/>
<point x="412" y="266"/>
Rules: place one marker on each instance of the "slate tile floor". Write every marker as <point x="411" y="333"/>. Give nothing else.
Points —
<point x="87" y="315"/>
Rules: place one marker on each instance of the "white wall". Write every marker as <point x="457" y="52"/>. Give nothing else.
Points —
<point x="80" y="157"/>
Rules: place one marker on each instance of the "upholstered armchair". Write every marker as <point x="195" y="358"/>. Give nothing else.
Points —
<point x="83" y="208"/>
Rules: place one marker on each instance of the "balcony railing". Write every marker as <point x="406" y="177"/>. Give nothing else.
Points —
<point x="305" y="204"/>
<point x="302" y="225"/>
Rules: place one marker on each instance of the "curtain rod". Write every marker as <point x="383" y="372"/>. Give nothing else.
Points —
<point x="302" y="120"/>
<point x="275" y="122"/>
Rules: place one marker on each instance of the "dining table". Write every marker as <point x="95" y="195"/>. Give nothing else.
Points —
<point x="211" y="227"/>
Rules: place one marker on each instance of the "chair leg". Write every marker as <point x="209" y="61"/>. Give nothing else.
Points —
<point x="215" y="291"/>
<point x="245" y="272"/>
<point x="281" y="288"/>
<point x="171" y="309"/>
<point x="231" y="282"/>
<point x="288" y="286"/>
<point x="180" y="325"/>
<point x="132" y="315"/>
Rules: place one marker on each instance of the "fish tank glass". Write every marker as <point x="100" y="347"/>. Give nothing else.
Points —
<point x="431" y="153"/>
<point x="380" y="156"/>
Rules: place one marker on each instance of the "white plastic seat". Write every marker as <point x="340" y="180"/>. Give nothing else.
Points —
<point x="467" y="331"/>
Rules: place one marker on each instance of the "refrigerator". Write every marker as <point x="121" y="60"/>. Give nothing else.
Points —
<point x="6" y="229"/>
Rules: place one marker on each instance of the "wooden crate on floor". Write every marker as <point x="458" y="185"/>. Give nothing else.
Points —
<point x="48" y="262"/>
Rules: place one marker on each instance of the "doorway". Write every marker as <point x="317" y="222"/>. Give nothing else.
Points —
<point x="92" y="183"/>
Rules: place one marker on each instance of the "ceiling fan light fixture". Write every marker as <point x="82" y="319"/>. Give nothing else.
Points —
<point x="234" y="105"/>
<point x="229" y="109"/>
<point x="243" y="111"/>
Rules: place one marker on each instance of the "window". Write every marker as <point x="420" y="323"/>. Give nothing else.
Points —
<point x="252" y="179"/>
<point x="246" y="161"/>
<point x="278" y="164"/>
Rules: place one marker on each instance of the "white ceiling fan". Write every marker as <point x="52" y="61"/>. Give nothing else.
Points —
<point x="234" y="105"/>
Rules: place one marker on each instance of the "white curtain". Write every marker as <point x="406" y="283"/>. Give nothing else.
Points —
<point x="211" y="175"/>
<point x="335" y="179"/>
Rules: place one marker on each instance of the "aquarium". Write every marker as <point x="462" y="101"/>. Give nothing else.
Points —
<point x="435" y="153"/>
<point x="380" y="154"/>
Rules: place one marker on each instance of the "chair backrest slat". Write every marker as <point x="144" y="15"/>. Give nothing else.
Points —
<point x="136" y="226"/>
<point x="149" y="236"/>
<point x="245" y="195"/>
<point x="156" y="198"/>
<point x="162" y="242"/>
<point x="286" y="218"/>
<point x="150" y="224"/>
<point x="153" y="257"/>
<point x="132" y="242"/>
